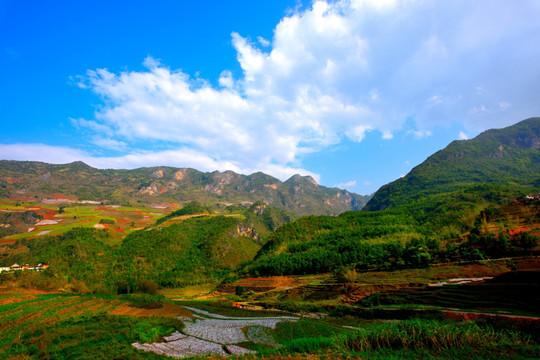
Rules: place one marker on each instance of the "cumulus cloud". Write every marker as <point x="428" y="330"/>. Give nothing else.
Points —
<point x="335" y="70"/>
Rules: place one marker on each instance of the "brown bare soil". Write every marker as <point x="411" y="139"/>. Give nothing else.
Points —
<point x="21" y="294"/>
<point x="12" y="180"/>
<point x="168" y="310"/>
<point x="528" y="264"/>
<point x="12" y="300"/>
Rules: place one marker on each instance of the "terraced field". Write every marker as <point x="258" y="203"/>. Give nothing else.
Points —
<point x="520" y="295"/>
<point x="37" y="325"/>
<point x="43" y="325"/>
<point x="46" y="325"/>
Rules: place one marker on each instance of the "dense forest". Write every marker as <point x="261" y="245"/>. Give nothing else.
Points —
<point x="383" y="240"/>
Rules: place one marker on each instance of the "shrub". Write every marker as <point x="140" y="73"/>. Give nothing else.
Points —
<point x="145" y="301"/>
<point x="239" y="290"/>
<point x="79" y="287"/>
<point x="147" y="287"/>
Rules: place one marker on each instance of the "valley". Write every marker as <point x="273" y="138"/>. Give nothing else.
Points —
<point x="156" y="262"/>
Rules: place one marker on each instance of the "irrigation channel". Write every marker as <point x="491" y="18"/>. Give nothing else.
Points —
<point x="211" y="333"/>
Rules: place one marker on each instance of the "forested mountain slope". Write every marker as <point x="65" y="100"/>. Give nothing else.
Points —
<point x="495" y="164"/>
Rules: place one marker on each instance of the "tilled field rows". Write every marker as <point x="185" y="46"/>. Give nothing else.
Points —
<point x="21" y="317"/>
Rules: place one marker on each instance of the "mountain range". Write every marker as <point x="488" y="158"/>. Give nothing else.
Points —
<point x="300" y="195"/>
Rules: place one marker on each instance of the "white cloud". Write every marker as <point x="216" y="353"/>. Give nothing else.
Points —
<point x="225" y="79"/>
<point x="463" y="136"/>
<point x="263" y="41"/>
<point x="347" y="185"/>
<point x="335" y="70"/>
<point x="504" y="105"/>
<point x="358" y="133"/>
<point x="110" y="143"/>
<point x="419" y="134"/>
<point x="93" y="125"/>
<point x="435" y="99"/>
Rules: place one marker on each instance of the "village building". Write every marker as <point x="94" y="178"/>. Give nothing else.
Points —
<point x="15" y="267"/>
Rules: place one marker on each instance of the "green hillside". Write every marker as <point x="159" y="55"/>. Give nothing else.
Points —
<point x="497" y="165"/>
<point x="79" y="260"/>
<point x="194" y="251"/>
<point x="319" y="244"/>
<point x="184" y="247"/>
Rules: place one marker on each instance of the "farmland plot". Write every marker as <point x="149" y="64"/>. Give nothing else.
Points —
<point x="216" y="334"/>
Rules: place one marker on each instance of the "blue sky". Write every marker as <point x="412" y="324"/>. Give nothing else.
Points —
<point x="355" y="93"/>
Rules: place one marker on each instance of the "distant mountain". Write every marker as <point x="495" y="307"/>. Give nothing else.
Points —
<point x="495" y="163"/>
<point x="300" y="195"/>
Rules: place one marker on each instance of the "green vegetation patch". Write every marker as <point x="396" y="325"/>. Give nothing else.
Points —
<point x="305" y="328"/>
<point x="92" y="337"/>
<point x="436" y="336"/>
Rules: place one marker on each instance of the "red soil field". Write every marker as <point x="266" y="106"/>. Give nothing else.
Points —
<point x="12" y="180"/>
<point x="518" y="230"/>
<point x="7" y="241"/>
<point x="48" y="214"/>
<point x="22" y="294"/>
